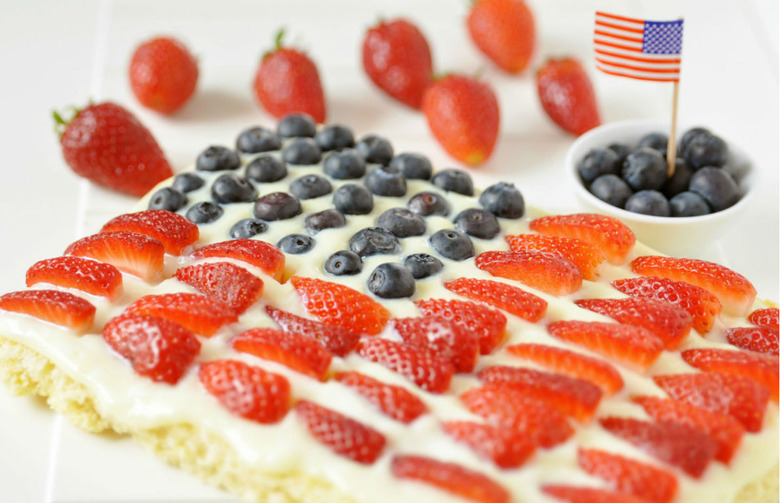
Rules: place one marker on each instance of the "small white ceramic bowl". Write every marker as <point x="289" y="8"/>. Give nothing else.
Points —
<point x="671" y="235"/>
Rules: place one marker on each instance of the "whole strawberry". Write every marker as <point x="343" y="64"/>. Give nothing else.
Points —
<point x="397" y="58"/>
<point x="163" y="74"/>
<point x="287" y="82"/>
<point x="106" y="144"/>
<point x="463" y="115"/>
<point x="567" y="95"/>
<point x="504" y="31"/>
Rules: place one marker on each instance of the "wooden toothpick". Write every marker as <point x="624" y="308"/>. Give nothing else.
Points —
<point x="671" y="147"/>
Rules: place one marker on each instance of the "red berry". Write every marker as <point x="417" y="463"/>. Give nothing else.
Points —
<point x="761" y="368"/>
<point x="247" y="391"/>
<point x="573" y="494"/>
<point x="194" y="312"/>
<point x="500" y="295"/>
<point x="107" y="145"/>
<point x="463" y="116"/>
<point x="60" y="308"/>
<point x="541" y="270"/>
<point x="298" y="352"/>
<point x="507" y="448"/>
<point x="421" y="366"/>
<point x="174" y="231"/>
<point x="341" y="434"/>
<point x="129" y="252"/>
<point x="396" y="57"/>
<point x="582" y="254"/>
<point x="337" y="340"/>
<point x="163" y="74"/>
<point x="652" y="484"/>
<point x="450" y="341"/>
<point x="393" y="401"/>
<point x="767" y="317"/>
<point x="504" y="31"/>
<point x="157" y="348"/>
<point x="89" y="276"/>
<point x="488" y="324"/>
<point x="760" y="339"/>
<point x="287" y="82"/>
<point x="258" y="253"/>
<point x="567" y="95"/>
<point x="224" y="282"/>
<point x="608" y="234"/>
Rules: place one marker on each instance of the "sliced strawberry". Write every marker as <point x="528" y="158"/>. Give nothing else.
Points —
<point x="761" y="368"/>
<point x="247" y="391"/>
<point x="500" y="295"/>
<point x="677" y="444"/>
<point x="698" y="302"/>
<point x="573" y="494"/>
<point x="90" y="276"/>
<point x="60" y="308"/>
<point x="767" y="317"/>
<point x="626" y="475"/>
<point x="298" y="352"/>
<point x="488" y="324"/>
<point x="507" y="448"/>
<point x="340" y="305"/>
<point x="422" y="367"/>
<point x="507" y="407"/>
<point x="157" y="348"/>
<point x="544" y="271"/>
<point x="574" y="397"/>
<point x="174" y="231"/>
<point x="759" y="339"/>
<point x="726" y="430"/>
<point x="129" y="252"/>
<point x="735" y="293"/>
<point x="393" y="401"/>
<point x="258" y="253"/>
<point x="452" y="342"/>
<point x="225" y="282"/>
<point x="740" y="397"/>
<point x="582" y="254"/>
<point x="343" y="435"/>
<point x="337" y="340"/>
<point x="451" y="478"/>
<point x="608" y="234"/>
<point x="668" y="322"/>
<point x="632" y="346"/>
<point x="194" y="312"/>
<point x="572" y="364"/>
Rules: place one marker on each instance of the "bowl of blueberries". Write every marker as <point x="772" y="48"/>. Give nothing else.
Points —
<point x="620" y="169"/>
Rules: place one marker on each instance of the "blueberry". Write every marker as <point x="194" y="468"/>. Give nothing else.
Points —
<point x="391" y="281"/>
<point x="258" y="139"/>
<point x="353" y="199"/>
<point x="478" y="223"/>
<point x="204" y="212"/>
<point x="452" y="244"/>
<point x="217" y="158"/>
<point x="231" y="188"/>
<point x="344" y="262"/>
<point x="296" y="125"/>
<point x="375" y="149"/>
<point x="716" y="186"/>
<point x="334" y="137"/>
<point x="648" y="202"/>
<point x="429" y="203"/>
<point x="310" y="186"/>
<point x="386" y="181"/>
<point x="187" y="182"/>
<point x="680" y="180"/>
<point x="413" y="166"/>
<point x="422" y="265"/>
<point x="277" y="206"/>
<point x="246" y="228"/>
<point x="597" y="162"/>
<point x="454" y="180"/>
<point x="402" y="222"/>
<point x="645" y="168"/>
<point x="690" y="135"/>
<point x="265" y="169"/>
<point x="706" y="150"/>
<point x="657" y="141"/>
<point x="345" y="164"/>
<point x="688" y="204"/>
<point x="167" y="199"/>
<point x="301" y="151"/>
<point x="622" y="150"/>
<point x="611" y="189"/>
<point x="295" y="244"/>
<point x="374" y="240"/>
<point x="503" y="200"/>
<point x="327" y="219"/>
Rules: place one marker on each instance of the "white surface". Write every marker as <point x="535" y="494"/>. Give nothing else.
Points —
<point x="54" y="54"/>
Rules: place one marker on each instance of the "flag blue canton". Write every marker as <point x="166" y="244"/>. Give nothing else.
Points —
<point x="662" y="37"/>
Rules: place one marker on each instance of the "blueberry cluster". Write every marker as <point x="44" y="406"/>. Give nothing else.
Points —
<point x="635" y="178"/>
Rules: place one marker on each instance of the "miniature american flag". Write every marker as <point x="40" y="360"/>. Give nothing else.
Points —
<point x="645" y="50"/>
